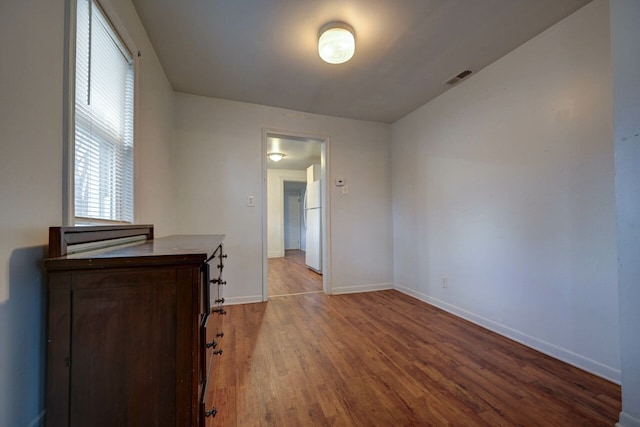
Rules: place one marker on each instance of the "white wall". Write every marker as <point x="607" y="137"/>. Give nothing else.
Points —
<point x="218" y="158"/>
<point x="505" y="185"/>
<point x="31" y="42"/>
<point x="275" y="207"/>
<point x="625" y="35"/>
<point x="31" y="116"/>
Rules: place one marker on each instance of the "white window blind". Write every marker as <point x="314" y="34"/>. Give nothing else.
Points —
<point x="103" y="161"/>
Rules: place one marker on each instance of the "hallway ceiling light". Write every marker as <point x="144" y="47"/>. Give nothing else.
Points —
<point x="336" y="43"/>
<point x="276" y="157"/>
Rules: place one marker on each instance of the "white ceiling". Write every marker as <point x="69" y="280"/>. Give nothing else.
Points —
<point x="265" y="52"/>
<point x="299" y="153"/>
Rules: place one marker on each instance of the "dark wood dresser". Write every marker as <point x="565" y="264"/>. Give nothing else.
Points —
<point x="134" y="329"/>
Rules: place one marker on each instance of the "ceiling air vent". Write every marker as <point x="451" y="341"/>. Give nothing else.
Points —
<point x="455" y="79"/>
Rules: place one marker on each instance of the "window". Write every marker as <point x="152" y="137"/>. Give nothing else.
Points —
<point x="103" y="144"/>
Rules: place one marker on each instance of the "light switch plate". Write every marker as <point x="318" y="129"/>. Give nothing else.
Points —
<point x="251" y="200"/>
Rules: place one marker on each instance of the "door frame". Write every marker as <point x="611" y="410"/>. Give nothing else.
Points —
<point x="327" y="282"/>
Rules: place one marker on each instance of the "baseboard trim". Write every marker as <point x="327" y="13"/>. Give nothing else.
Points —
<point x="353" y="289"/>
<point x="275" y="254"/>
<point x="242" y="300"/>
<point x="549" y="349"/>
<point x="627" y="420"/>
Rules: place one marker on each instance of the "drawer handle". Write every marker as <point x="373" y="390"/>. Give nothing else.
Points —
<point x="220" y="301"/>
<point x="218" y="281"/>
<point x="217" y="352"/>
<point x="211" y="413"/>
<point x="220" y="334"/>
<point x="220" y="311"/>
<point x="213" y="344"/>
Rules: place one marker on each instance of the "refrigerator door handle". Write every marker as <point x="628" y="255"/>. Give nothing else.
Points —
<point x="304" y="208"/>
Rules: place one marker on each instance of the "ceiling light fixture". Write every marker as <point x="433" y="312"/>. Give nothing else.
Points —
<point x="276" y="157"/>
<point x="336" y="43"/>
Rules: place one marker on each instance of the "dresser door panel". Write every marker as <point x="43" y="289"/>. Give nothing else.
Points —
<point x="124" y="349"/>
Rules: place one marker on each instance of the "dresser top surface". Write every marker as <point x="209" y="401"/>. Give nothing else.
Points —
<point x="177" y="248"/>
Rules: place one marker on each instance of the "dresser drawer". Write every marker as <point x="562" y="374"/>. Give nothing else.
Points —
<point x="211" y="351"/>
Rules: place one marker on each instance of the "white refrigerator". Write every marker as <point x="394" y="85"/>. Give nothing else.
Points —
<point x="313" y="223"/>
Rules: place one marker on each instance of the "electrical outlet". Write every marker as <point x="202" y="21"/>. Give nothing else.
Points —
<point x="251" y="200"/>
<point x="445" y="281"/>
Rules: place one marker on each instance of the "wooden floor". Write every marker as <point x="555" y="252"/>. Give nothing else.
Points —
<point x="386" y="359"/>
<point x="289" y="275"/>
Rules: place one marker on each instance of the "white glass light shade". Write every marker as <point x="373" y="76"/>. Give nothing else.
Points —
<point x="276" y="157"/>
<point x="336" y="44"/>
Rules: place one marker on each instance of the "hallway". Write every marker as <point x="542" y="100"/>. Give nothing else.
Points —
<point x="289" y="275"/>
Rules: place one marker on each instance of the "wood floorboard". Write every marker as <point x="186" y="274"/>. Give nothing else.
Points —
<point x="290" y="275"/>
<point x="384" y="358"/>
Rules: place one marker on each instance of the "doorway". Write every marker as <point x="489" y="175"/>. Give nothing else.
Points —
<point x="294" y="220"/>
<point x="293" y="262"/>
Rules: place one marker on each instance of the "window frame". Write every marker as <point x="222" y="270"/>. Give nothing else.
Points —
<point x="69" y="96"/>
